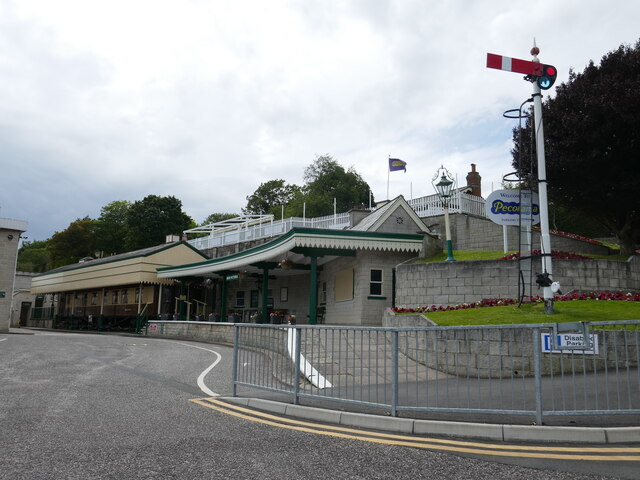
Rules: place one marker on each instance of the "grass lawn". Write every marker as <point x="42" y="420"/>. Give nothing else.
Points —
<point x="571" y="311"/>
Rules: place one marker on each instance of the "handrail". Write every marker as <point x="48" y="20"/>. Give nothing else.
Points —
<point x="428" y="206"/>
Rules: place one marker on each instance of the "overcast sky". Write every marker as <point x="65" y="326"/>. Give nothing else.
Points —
<point x="206" y="99"/>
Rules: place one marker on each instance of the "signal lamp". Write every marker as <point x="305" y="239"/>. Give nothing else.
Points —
<point x="548" y="77"/>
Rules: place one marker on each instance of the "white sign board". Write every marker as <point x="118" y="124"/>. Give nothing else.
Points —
<point x="153" y="328"/>
<point x="569" y="340"/>
<point x="505" y="207"/>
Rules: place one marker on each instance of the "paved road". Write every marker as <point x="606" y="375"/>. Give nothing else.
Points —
<point x="103" y="406"/>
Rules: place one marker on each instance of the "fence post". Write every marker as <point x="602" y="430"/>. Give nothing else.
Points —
<point x="537" y="369"/>
<point x="394" y="373"/>
<point x="296" y="390"/>
<point x="234" y="366"/>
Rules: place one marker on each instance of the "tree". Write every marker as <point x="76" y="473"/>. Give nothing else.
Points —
<point x="592" y="143"/>
<point x="269" y="197"/>
<point x="33" y="256"/>
<point x="217" y="217"/>
<point x="151" y="219"/>
<point x="327" y="180"/>
<point x="111" y="227"/>
<point x="77" y="241"/>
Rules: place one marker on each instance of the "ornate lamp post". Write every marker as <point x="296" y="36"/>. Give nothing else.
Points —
<point x="444" y="187"/>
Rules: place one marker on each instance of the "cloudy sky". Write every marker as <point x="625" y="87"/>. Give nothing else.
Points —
<point x="206" y="99"/>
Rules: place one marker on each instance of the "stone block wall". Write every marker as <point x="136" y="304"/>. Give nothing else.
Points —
<point x="453" y="283"/>
<point x="271" y="339"/>
<point x="504" y="352"/>
<point x="470" y="232"/>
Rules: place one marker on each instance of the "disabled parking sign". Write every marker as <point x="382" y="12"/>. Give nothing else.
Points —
<point x="568" y="340"/>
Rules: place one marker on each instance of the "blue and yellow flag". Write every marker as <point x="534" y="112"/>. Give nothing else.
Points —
<point x="397" y="164"/>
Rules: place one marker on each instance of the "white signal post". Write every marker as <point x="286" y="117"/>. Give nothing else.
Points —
<point x="545" y="237"/>
<point x="534" y="69"/>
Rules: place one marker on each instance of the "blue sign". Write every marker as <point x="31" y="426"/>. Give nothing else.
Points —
<point x="568" y="340"/>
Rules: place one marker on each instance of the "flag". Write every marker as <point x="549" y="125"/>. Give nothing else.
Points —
<point x="397" y="164"/>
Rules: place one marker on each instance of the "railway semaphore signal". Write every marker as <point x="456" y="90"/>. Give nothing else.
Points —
<point x="543" y="77"/>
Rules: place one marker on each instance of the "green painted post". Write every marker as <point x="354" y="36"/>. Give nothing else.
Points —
<point x="214" y="286"/>
<point x="223" y="300"/>
<point x="265" y="294"/>
<point x="313" y="290"/>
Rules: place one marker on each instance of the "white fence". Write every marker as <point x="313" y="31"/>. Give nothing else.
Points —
<point x="429" y="206"/>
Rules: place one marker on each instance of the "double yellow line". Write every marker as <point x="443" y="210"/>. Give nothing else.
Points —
<point x="556" y="452"/>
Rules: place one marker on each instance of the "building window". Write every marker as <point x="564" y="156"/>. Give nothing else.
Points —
<point x="125" y="296"/>
<point x="375" y="282"/>
<point x="114" y="297"/>
<point x="240" y="299"/>
<point x="253" y="300"/>
<point x="269" y="298"/>
<point x="94" y="298"/>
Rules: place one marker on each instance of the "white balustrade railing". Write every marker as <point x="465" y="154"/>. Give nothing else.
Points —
<point x="429" y="206"/>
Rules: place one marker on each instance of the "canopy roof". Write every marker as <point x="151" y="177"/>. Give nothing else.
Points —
<point x="297" y="245"/>
<point x="129" y="268"/>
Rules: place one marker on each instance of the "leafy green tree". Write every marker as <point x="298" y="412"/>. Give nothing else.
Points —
<point x="151" y="219"/>
<point x="269" y="198"/>
<point x="111" y="227"/>
<point x="592" y="142"/>
<point x="327" y="180"/>
<point x="34" y="256"/>
<point x="77" y="241"/>
<point x="218" y="217"/>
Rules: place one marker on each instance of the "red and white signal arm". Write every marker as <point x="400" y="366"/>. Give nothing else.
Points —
<point x="508" y="64"/>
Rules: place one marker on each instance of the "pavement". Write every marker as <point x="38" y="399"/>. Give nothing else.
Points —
<point x="412" y="426"/>
<point x="611" y="429"/>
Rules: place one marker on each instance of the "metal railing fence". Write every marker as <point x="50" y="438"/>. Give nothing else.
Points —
<point x="428" y="206"/>
<point x="538" y="370"/>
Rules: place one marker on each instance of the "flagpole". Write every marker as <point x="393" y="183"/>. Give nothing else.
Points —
<point x="388" y="170"/>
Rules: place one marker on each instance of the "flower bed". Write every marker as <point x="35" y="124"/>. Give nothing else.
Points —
<point x="495" y="302"/>
<point x="555" y="255"/>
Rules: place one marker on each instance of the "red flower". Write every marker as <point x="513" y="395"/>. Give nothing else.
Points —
<point x="492" y="302"/>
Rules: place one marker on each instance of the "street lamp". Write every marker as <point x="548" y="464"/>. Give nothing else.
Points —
<point x="444" y="187"/>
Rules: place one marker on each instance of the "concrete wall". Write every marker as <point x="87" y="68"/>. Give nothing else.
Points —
<point x="453" y="283"/>
<point x="470" y="232"/>
<point x="10" y="231"/>
<point x="362" y="309"/>
<point x="22" y="294"/>
<point x="495" y="352"/>
<point x="273" y="340"/>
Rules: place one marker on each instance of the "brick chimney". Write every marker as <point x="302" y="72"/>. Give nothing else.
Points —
<point x="474" y="181"/>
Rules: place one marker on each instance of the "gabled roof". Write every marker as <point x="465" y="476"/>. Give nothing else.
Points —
<point x="375" y="220"/>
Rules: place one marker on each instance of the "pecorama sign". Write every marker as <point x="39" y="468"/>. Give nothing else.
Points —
<point x="505" y="207"/>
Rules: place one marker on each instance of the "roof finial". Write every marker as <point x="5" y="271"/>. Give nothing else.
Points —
<point x="535" y="50"/>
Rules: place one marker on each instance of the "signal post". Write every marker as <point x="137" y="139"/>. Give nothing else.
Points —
<point x="543" y="77"/>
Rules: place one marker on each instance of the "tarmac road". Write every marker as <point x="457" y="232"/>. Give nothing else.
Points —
<point x="106" y="406"/>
